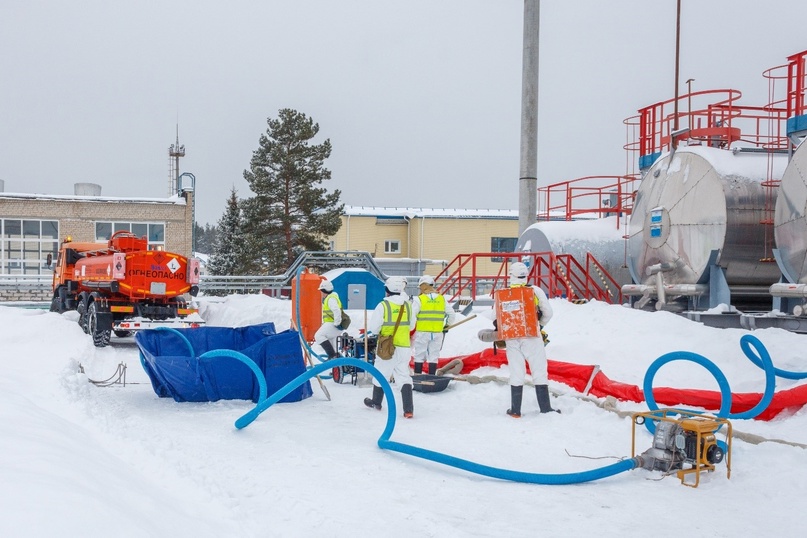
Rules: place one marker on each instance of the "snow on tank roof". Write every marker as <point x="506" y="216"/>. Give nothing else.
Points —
<point x="595" y="230"/>
<point x="738" y="163"/>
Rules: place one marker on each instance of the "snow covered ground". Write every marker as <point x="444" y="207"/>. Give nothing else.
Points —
<point x="82" y="460"/>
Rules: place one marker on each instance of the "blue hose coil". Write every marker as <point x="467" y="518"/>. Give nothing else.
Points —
<point x="759" y="356"/>
<point x="384" y="441"/>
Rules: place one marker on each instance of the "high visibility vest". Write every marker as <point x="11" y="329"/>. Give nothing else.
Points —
<point x="516" y="312"/>
<point x="401" y="338"/>
<point x="327" y="314"/>
<point x="432" y="314"/>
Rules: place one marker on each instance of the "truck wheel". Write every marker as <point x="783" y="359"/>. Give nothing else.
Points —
<point x="82" y="315"/>
<point x="99" y="338"/>
<point x="56" y="305"/>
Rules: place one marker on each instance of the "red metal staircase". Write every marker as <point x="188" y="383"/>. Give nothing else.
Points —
<point x="560" y="275"/>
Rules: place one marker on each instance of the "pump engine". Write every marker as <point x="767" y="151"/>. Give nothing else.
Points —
<point x="684" y="442"/>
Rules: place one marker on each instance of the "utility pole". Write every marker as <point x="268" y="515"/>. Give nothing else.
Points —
<point x="528" y="171"/>
<point x="677" y="55"/>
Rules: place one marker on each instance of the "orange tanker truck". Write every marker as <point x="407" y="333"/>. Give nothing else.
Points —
<point x="121" y="286"/>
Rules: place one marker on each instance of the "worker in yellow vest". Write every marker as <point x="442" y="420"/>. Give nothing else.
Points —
<point x="521" y="310"/>
<point x="432" y="313"/>
<point x="382" y="322"/>
<point x="328" y="332"/>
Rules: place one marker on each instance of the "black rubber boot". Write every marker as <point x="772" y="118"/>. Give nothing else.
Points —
<point x="418" y="367"/>
<point x="408" y="404"/>
<point x="375" y="401"/>
<point x="515" y="401"/>
<point x="432" y="368"/>
<point x="327" y="347"/>
<point x="542" y="391"/>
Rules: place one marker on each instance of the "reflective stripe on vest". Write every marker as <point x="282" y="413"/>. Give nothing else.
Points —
<point x="401" y="338"/>
<point x="432" y="314"/>
<point x="327" y="314"/>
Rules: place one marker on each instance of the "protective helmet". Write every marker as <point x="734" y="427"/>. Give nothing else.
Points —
<point x="395" y="285"/>
<point x="518" y="273"/>
<point x="426" y="279"/>
<point x="326" y="285"/>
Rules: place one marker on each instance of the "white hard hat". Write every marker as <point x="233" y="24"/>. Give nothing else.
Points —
<point x="426" y="279"/>
<point x="326" y="285"/>
<point x="518" y="272"/>
<point x="395" y="284"/>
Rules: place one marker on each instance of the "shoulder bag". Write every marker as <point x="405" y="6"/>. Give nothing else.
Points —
<point x="385" y="348"/>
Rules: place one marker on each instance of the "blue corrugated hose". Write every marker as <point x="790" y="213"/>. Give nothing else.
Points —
<point x="761" y="358"/>
<point x="385" y="443"/>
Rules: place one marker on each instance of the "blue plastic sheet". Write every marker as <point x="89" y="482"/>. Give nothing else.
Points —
<point x="171" y="358"/>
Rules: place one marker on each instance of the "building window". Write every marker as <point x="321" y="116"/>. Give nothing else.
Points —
<point x="26" y="244"/>
<point x="392" y="246"/>
<point x="153" y="231"/>
<point x="502" y="244"/>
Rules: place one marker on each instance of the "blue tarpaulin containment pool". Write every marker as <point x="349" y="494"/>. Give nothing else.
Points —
<point x="171" y="358"/>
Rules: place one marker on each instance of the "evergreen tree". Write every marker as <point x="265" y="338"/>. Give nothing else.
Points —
<point x="205" y="238"/>
<point x="227" y="258"/>
<point x="290" y="211"/>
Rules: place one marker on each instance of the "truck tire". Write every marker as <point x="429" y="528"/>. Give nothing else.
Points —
<point x="82" y="315"/>
<point x="99" y="338"/>
<point x="57" y="303"/>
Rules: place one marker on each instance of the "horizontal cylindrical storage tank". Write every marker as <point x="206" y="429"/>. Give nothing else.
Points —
<point x="790" y="218"/>
<point x="602" y="238"/>
<point x="702" y="199"/>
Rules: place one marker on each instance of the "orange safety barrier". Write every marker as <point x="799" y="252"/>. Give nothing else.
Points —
<point x="581" y="376"/>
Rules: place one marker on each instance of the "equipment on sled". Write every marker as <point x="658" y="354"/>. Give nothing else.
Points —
<point x="362" y="347"/>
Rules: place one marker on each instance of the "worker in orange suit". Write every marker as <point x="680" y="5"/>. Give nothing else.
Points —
<point x="524" y="343"/>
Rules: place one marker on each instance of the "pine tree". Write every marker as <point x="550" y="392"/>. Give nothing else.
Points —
<point x="228" y="255"/>
<point x="290" y="211"/>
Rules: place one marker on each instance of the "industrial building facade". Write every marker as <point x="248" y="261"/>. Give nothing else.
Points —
<point x="432" y="237"/>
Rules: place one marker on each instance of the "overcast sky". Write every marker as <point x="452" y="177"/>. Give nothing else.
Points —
<point x="420" y="98"/>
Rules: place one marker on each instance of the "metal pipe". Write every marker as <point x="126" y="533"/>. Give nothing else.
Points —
<point x="661" y="299"/>
<point x="788" y="290"/>
<point x="687" y="289"/>
<point x="637" y="289"/>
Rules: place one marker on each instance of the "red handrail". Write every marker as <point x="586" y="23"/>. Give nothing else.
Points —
<point x="559" y="275"/>
<point x="797" y="84"/>
<point x="597" y="196"/>
<point x="711" y="117"/>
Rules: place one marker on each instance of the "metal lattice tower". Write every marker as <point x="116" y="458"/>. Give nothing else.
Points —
<point x="175" y="151"/>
